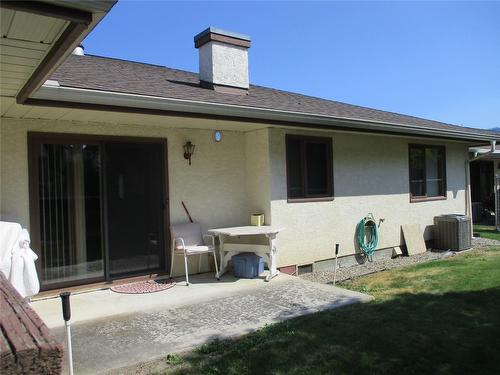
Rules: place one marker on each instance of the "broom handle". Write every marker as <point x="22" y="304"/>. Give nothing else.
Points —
<point x="187" y="212"/>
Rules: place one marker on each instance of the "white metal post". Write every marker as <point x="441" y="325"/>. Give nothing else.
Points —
<point x="336" y="260"/>
<point x="68" y="346"/>
<point x="66" y="310"/>
<point x="497" y="202"/>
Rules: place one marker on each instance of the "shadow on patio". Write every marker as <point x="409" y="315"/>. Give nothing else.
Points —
<point x="451" y="333"/>
<point x="115" y="330"/>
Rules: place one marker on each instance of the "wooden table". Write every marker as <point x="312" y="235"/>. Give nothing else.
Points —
<point x="268" y="252"/>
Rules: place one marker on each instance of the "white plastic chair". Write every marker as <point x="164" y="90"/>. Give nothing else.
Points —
<point x="188" y="240"/>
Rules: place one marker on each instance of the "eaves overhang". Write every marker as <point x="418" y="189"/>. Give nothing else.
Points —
<point x="51" y="94"/>
<point x="38" y="35"/>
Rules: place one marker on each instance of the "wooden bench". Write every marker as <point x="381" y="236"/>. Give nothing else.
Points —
<point x="27" y="346"/>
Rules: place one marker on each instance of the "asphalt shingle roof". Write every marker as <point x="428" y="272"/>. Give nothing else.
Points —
<point x="102" y="73"/>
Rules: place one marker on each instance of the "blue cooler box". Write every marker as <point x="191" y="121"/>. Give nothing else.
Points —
<point x="247" y="265"/>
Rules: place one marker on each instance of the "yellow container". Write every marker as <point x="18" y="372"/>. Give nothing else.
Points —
<point x="257" y="220"/>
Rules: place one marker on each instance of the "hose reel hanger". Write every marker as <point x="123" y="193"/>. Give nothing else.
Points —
<point x="367" y="235"/>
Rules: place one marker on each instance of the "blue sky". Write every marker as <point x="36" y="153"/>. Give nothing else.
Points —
<point x="437" y="60"/>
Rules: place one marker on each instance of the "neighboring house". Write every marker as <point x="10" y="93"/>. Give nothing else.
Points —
<point x="93" y="163"/>
<point x="484" y="184"/>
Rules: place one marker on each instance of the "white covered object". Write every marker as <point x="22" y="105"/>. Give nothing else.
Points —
<point x="17" y="260"/>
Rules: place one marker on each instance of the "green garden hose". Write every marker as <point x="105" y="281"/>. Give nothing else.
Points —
<point x="367" y="236"/>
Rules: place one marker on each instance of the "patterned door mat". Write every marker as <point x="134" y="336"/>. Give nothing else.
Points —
<point x="149" y="286"/>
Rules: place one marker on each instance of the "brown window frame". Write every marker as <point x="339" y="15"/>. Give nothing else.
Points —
<point x="329" y="165"/>
<point x="425" y="197"/>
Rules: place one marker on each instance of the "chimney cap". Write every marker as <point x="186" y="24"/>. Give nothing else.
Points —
<point x="223" y="36"/>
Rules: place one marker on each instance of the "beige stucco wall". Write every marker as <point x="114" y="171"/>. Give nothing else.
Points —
<point x="213" y="187"/>
<point x="224" y="64"/>
<point x="257" y="172"/>
<point x="370" y="175"/>
<point x="246" y="173"/>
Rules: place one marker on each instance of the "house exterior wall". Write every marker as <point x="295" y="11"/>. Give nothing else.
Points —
<point x="213" y="187"/>
<point x="246" y="173"/>
<point x="258" y="173"/>
<point x="370" y="175"/>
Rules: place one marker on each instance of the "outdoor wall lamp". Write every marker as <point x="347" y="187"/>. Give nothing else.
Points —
<point x="188" y="151"/>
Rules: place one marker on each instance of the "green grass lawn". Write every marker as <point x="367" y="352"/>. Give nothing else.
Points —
<point x="487" y="231"/>
<point x="440" y="317"/>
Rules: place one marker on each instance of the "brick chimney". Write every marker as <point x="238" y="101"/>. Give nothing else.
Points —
<point x="223" y="57"/>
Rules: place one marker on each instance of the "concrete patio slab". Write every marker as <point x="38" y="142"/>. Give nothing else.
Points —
<point x="113" y="330"/>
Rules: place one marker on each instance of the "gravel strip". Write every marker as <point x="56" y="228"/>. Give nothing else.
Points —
<point x="346" y="273"/>
<point x="481" y="242"/>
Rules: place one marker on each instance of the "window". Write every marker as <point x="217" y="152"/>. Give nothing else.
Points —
<point x="309" y="167"/>
<point x="427" y="171"/>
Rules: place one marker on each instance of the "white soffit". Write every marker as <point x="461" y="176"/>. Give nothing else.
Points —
<point x="25" y="41"/>
<point x="32" y="30"/>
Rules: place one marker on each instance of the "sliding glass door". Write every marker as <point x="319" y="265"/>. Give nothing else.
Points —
<point x="70" y="212"/>
<point x="97" y="207"/>
<point x="134" y="207"/>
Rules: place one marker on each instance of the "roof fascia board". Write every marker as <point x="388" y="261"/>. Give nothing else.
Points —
<point x="311" y="126"/>
<point x="108" y="98"/>
<point x="80" y="23"/>
<point x="70" y="35"/>
<point x="49" y="10"/>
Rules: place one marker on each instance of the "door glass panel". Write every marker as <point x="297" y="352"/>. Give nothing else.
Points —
<point x="134" y="191"/>
<point x="70" y="204"/>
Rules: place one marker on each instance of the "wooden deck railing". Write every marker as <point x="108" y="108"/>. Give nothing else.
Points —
<point x="26" y="344"/>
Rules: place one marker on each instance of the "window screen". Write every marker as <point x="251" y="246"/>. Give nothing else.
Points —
<point x="309" y="167"/>
<point x="427" y="171"/>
